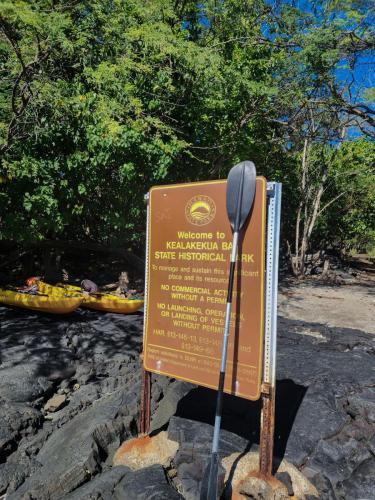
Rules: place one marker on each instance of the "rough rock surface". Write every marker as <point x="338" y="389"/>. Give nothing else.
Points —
<point x="97" y="355"/>
<point x="55" y="403"/>
<point x="171" y="396"/>
<point x="74" y="452"/>
<point x="325" y="421"/>
<point x="284" y="477"/>
<point x="330" y="439"/>
<point x="149" y="483"/>
<point x="258" y="489"/>
<point x="191" y="460"/>
<point x="144" y="451"/>
<point x="101" y="487"/>
<point x="289" y="481"/>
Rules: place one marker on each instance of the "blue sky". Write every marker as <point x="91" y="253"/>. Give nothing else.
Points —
<point x="364" y="74"/>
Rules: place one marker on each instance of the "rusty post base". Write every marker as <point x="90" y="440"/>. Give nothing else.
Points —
<point x="145" y="408"/>
<point x="255" y="483"/>
<point x="267" y="428"/>
<point x="261" y="482"/>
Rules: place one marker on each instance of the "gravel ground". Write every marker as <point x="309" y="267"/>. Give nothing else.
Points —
<point x="342" y="306"/>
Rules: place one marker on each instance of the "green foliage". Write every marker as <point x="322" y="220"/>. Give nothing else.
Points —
<point x="351" y="221"/>
<point x="125" y="98"/>
<point x="102" y="100"/>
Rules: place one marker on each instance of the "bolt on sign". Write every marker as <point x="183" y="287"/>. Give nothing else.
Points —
<point x="188" y="253"/>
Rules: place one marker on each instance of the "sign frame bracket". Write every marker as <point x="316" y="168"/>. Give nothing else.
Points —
<point x="144" y="419"/>
<point x="268" y="393"/>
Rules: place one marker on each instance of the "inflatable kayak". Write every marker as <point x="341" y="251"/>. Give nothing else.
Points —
<point x="42" y="303"/>
<point x="104" y="302"/>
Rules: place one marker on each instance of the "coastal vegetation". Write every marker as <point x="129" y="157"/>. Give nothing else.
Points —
<point x="100" y="100"/>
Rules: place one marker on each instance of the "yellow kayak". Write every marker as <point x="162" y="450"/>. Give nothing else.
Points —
<point x="59" y="291"/>
<point x="42" y="303"/>
<point x="105" y="302"/>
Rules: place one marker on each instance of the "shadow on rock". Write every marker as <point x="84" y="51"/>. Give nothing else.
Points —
<point x="242" y="417"/>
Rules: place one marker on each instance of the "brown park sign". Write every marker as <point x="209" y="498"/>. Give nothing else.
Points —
<point x="189" y="243"/>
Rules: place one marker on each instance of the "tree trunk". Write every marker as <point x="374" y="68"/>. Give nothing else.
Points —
<point x="297" y="260"/>
<point x="307" y="213"/>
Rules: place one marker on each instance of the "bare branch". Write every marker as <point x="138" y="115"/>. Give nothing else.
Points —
<point x="330" y="203"/>
<point x="22" y="84"/>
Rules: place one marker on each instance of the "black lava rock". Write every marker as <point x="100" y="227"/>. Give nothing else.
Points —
<point x="146" y="484"/>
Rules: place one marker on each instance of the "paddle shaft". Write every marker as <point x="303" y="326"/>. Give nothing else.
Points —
<point x="219" y="402"/>
<point x="213" y="467"/>
<point x="237" y="214"/>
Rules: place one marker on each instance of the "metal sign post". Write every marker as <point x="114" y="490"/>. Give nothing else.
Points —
<point x="145" y="406"/>
<point x="270" y="334"/>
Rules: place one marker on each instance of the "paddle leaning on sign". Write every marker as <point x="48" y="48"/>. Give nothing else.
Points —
<point x="240" y="197"/>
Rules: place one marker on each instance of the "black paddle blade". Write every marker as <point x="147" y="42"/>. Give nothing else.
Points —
<point x="240" y="193"/>
<point x="209" y="488"/>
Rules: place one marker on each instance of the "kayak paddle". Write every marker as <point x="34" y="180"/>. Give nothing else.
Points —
<point x="240" y="198"/>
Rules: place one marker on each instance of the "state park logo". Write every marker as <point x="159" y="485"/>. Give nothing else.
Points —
<point x="200" y="210"/>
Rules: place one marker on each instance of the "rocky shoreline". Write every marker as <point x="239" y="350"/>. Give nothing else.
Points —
<point x="69" y="394"/>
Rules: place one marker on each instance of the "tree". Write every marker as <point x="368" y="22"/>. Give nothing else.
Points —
<point x="315" y="107"/>
<point x="350" y="224"/>
<point x="101" y="100"/>
<point x="120" y="96"/>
